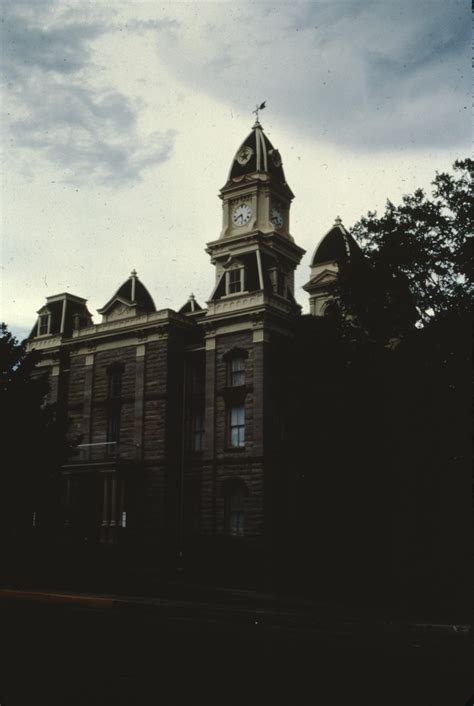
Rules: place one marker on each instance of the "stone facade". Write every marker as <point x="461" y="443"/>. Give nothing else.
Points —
<point x="181" y="416"/>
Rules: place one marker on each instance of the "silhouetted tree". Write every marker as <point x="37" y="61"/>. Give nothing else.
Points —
<point x="417" y="254"/>
<point x="34" y="434"/>
<point x="384" y="403"/>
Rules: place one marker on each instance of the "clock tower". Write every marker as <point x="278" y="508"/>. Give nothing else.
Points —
<point x="255" y="237"/>
<point x="249" y="327"/>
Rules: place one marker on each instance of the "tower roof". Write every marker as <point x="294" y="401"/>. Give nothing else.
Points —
<point x="337" y="245"/>
<point x="191" y="306"/>
<point x="132" y="292"/>
<point x="256" y="154"/>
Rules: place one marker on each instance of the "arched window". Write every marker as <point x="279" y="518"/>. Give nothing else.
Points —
<point x="331" y="308"/>
<point x="236" y="364"/>
<point x="236" y="372"/>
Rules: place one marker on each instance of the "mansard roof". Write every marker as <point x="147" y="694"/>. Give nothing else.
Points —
<point x="256" y="154"/>
<point x="133" y="293"/>
<point x="338" y="245"/>
<point x="66" y="311"/>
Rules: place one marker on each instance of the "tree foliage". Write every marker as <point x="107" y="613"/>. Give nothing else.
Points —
<point x="383" y="424"/>
<point x="34" y="432"/>
<point x="427" y="243"/>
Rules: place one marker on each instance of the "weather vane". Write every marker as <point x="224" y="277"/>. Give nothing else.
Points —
<point x="259" y="107"/>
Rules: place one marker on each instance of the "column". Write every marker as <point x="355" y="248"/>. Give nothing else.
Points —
<point x="139" y="397"/>
<point x="87" y="409"/>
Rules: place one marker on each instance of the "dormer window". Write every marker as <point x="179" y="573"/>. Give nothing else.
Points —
<point x="44" y="321"/>
<point x="235" y="280"/>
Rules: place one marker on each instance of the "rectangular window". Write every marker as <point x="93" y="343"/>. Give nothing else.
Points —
<point x="237" y="372"/>
<point x="235" y="513"/>
<point x="235" y="281"/>
<point x="113" y="426"/>
<point x="237" y="426"/>
<point x="115" y="384"/>
<point x="43" y="325"/>
<point x="198" y="432"/>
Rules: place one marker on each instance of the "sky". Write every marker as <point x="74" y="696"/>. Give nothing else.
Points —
<point x="120" y="121"/>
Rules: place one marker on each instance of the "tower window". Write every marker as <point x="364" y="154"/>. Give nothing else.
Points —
<point x="237" y="426"/>
<point x="236" y="372"/>
<point x="43" y="324"/>
<point x="235" y="280"/>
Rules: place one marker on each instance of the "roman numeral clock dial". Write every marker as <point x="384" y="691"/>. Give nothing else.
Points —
<point x="241" y="214"/>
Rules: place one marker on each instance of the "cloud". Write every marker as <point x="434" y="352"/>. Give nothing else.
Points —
<point x="363" y="74"/>
<point x="56" y="108"/>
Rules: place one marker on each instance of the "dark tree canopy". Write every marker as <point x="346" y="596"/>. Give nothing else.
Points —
<point x="33" y="432"/>
<point x="426" y="243"/>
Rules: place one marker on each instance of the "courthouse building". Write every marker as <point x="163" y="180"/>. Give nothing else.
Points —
<point x="182" y="416"/>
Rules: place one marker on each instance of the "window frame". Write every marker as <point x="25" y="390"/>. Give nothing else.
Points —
<point x="238" y="281"/>
<point x="236" y="376"/>
<point x="114" y="382"/>
<point x="236" y="427"/>
<point x="197" y="432"/>
<point x="113" y="426"/>
<point x="234" y="511"/>
<point x="41" y="317"/>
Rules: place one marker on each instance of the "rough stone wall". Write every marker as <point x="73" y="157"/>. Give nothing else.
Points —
<point x="223" y="463"/>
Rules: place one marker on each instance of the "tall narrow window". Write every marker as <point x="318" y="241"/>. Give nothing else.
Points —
<point x="198" y="432"/>
<point x="43" y="324"/>
<point x="235" y="512"/>
<point x="237" y="426"/>
<point x="235" y="280"/>
<point x="113" y="426"/>
<point x="236" y="372"/>
<point x="115" y="383"/>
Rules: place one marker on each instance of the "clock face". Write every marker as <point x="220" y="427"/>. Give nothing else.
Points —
<point x="276" y="157"/>
<point x="241" y="214"/>
<point x="276" y="217"/>
<point x="244" y="155"/>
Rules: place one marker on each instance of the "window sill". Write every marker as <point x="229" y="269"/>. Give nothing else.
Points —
<point x="233" y="295"/>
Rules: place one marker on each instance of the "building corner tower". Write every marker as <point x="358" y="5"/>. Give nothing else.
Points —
<point x="249" y="323"/>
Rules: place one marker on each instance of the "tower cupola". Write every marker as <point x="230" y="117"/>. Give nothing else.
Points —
<point x="257" y="158"/>
<point x="336" y="249"/>
<point x="255" y="251"/>
<point x="256" y="195"/>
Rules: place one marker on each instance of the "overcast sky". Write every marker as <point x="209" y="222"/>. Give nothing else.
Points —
<point x="120" y="121"/>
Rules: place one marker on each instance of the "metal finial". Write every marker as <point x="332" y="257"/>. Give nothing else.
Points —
<point x="338" y="221"/>
<point x="133" y="273"/>
<point x="258" y="108"/>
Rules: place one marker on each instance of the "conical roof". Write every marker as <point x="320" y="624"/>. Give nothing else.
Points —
<point x="256" y="154"/>
<point x="132" y="292"/>
<point x="191" y="306"/>
<point x="337" y="245"/>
